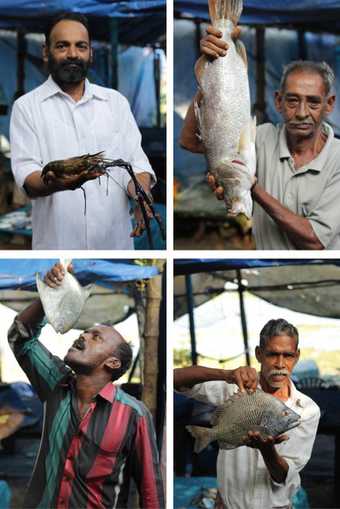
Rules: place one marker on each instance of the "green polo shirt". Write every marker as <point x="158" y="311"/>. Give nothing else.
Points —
<point x="312" y="191"/>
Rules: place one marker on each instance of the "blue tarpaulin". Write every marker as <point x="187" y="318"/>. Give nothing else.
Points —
<point x="189" y="266"/>
<point x="271" y="12"/>
<point x="19" y="274"/>
<point x="103" y="8"/>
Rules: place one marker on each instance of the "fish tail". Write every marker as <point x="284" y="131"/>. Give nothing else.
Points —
<point x="225" y="9"/>
<point x="202" y="435"/>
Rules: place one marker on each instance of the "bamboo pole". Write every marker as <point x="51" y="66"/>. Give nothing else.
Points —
<point x="151" y="333"/>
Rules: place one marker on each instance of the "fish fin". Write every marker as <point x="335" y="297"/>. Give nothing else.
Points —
<point x="217" y="413"/>
<point x="198" y="120"/>
<point x="225" y="9"/>
<point x="200" y="68"/>
<point x="65" y="262"/>
<point x="202" y="435"/>
<point x="241" y="50"/>
<point x="246" y="147"/>
<point x="253" y="129"/>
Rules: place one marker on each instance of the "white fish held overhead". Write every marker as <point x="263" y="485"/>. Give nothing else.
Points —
<point x="63" y="305"/>
<point x="226" y="128"/>
<point x="243" y="412"/>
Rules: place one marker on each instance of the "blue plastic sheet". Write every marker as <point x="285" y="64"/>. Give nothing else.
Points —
<point x="20" y="273"/>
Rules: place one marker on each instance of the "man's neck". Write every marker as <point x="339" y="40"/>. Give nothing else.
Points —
<point x="74" y="90"/>
<point x="304" y="150"/>
<point x="88" y="387"/>
<point x="282" y="393"/>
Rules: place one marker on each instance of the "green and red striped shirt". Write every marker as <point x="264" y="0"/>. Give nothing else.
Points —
<point x="83" y="463"/>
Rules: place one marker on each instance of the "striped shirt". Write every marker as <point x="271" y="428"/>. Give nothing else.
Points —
<point x="83" y="463"/>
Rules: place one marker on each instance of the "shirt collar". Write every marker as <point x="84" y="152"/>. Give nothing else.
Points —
<point x="108" y="392"/>
<point x="318" y="163"/>
<point x="51" y="88"/>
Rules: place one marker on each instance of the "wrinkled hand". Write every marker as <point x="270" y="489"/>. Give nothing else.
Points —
<point x="245" y="377"/>
<point x="145" y="180"/>
<point x="54" y="277"/>
<point x="70" y="182"/>
<point x="218" y="190"/>
<point x="213" y="46"/>
<point x="256" y="441"/>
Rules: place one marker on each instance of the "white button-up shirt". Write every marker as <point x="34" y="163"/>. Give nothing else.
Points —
<point x="47" y="125"/>
<point x="243" y="478"/>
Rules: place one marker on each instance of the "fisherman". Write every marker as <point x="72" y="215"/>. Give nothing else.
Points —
<point x="95" y="436"/>
<point x="69" y="116"/>
<point x="296" y="191"/>
<point x="266" y="473"/>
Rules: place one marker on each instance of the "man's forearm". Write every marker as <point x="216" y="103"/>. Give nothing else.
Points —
<point x="188" y="377"/>
<point x="298" y="229"/>
<point x="35" y="187"/>
<point x="188" y="137"/>
<point x="276" y="464"/>
<point x="32" y="315"/>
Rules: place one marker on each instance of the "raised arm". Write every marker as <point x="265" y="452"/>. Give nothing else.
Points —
<point x="245" y="377"/>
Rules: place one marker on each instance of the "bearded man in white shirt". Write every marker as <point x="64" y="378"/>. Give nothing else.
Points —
<point x="68" y="116"/>
<point x="266" y="473"/>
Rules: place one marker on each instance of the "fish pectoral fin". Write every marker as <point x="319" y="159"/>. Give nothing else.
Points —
<point x="200" y="68"/>
<point x="202" y="435"/>
<point x="87" y="290"/>
<point x="241" y="50"/>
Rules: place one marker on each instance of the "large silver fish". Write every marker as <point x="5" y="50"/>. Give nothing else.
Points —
<point x="226" y="128"/>
<point x="63" y="305"/>
<point x="243" y="412"/>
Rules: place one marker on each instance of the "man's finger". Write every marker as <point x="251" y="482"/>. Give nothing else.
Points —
<point x="239" y="381"/>
<point x="214" y="31"/>
<point x="211" y="182"/>
<point x="214" y="42"/>
<point x="219" y="191"/>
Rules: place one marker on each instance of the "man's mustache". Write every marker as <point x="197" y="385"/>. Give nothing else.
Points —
<point x="278" y="372"/>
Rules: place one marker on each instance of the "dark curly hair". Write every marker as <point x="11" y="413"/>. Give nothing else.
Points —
<point x="278" y="327"/>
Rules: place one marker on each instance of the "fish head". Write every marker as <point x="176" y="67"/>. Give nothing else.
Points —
<point x="278" y="418"/>
<point x="236" y="180"/>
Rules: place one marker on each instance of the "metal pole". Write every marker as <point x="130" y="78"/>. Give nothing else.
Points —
<point x="190" y="304"/>
<point x="114" y="52"/>
<point x="260" y="106"/>
<point x="243" y="315"/>
<point x="21" y="55"/>
<point x="157" y="78"/>
<point x="302" y="44"/>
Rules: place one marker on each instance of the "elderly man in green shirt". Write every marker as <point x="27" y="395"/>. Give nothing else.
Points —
<point x="297" y="188"/>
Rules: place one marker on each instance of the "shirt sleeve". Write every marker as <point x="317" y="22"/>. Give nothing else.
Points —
<point x="25" y="150"/>
<point x="43" y="369"/>
<point x="324" y="219"/>
<point x="146" y="468"/>
<point x="131" y="148"/>
<point x="296" y="451"/>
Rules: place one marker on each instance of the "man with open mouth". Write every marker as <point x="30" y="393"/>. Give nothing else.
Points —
<point x="266" y="473"/>
<point x="95" y="436"/>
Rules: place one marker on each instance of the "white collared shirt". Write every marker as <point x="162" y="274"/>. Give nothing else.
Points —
<point x="243" y="478"/>
<point x="47" y="125"/>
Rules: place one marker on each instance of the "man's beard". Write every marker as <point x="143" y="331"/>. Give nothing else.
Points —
<point x="68" y="71"/>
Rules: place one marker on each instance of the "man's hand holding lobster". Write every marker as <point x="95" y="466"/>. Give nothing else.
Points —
<point x="144" y="179"/>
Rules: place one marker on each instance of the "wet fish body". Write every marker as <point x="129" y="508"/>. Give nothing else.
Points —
<point x="243" y="412"/>
<point x="226" y="128"/>
<point x="63" y="305"/>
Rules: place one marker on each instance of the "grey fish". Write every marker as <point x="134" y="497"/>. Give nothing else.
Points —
<point x="243" y="412"/>
<point x="63" y="305"/>
<point x="226" y="128"/>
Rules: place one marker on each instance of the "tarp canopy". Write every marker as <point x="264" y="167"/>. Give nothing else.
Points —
<point x="305" y="286"/>
<point x="33" y="15"/>
<point x="272" y="12"/>
<point x="112" y="296"/>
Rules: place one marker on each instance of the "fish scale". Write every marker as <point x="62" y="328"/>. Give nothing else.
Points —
<point x="244" y="412"/>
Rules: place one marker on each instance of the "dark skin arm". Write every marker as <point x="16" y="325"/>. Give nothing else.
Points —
<point x="298" y="228"/>
<point x="276" y="464"/>
<point x="245" y="377"/>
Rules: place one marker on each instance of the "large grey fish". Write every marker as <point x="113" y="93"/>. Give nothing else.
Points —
<point x="243" y="412"/>
<point x="63" y="305"/>
<point x="226" y="128"/>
